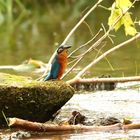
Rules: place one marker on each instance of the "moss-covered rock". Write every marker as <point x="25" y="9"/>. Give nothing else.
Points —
<point x="32" y="100"/>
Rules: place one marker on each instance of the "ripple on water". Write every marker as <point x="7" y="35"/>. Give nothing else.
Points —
<point x="118" y="103"/>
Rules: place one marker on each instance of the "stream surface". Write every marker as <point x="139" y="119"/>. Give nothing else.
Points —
<point x="124" y="102"/>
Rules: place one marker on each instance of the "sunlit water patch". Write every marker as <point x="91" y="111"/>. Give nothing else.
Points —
<point x="118" y="103"/>
<point x="121" y="103"/>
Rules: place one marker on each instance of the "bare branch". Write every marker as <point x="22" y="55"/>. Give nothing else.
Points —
<point x="88" y="28"/>
<point x="100" y="52"/>
<point x="77" y="25"/>
<point x="98" y="42"/>
<point x="104" y="7"/>
<point x="106" y="53"/>
<point x="73" y="61"/>
<point x="85" y="44"/>
<point x="69" y="35"/>
<point x="104" y="80"/>
<point x="42" y="127"/>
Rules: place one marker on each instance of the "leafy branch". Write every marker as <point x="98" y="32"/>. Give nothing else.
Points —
<point x="78" y="76"/>
<point x="100" y="40"/>
<point x="119" y="16"/>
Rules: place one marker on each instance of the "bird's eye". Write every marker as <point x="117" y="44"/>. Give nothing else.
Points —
<point x="60" y="50"/>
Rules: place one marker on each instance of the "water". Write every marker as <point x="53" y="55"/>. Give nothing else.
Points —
<point x="38" y="34"/>
<point x="120" y="103"/>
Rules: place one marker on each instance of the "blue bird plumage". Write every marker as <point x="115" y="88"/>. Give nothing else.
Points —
<point x="59" y="64"/>
<point x="54" y="70"/>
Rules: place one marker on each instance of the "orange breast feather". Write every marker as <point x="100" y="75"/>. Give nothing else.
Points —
<point x="62" y="59"/>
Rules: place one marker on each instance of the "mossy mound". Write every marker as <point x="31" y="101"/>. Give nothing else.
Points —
<point x="32" y="100"/>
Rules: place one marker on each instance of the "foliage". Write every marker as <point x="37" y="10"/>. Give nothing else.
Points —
<point x="117" y="9"/>
<point x="37" y="25"/>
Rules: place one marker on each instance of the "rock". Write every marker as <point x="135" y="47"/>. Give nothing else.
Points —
<point x="108" y="121"/>
<point x="77" y="118"/>
<point x="32" y="100"/>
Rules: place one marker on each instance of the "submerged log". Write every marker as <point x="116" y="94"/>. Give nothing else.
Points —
<point x="42" y="127"/>
<point x="32" y="100"/>
<point x="92" y="84"/>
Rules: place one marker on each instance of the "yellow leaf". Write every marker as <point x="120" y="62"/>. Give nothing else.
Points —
<point x="123" y="4"/>
<point x="130" y="30"/>
<point x="129" y="25"/>
<point x="115" y="13"/>
<point x="127" y="20"/>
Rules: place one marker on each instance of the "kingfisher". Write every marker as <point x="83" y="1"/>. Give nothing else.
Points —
<point x="59" y="64"/>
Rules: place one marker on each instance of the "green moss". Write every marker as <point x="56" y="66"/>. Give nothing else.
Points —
<point x="13" y="80"/>
<point x="32" y="100"/>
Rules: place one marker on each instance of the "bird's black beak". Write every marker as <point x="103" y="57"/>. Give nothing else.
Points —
<point x="62" y="48"/>
<point x="67" y="47"/>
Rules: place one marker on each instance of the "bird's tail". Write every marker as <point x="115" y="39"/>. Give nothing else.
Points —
<point x="48" y="77"/>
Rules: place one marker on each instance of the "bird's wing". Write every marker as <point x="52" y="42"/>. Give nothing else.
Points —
<point x="48" y="77"/>
<point x="55" y="69"/>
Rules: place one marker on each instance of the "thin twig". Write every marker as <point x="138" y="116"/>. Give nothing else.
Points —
<point x="69" y="35"/>
<point x="106" y="53"/>
<point x="88" y="28"/>
<point x="109" y="36"/>
<point x="104" y="80"/>
<point x="73" y="61"/>
<point x="98" y="42"/>
<point x="84" y="17"/>
<point x="99" y="50"/>
<point x="104" y="7"/>
<point x="76" y="56"/>
<point x="85" y="44"/>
